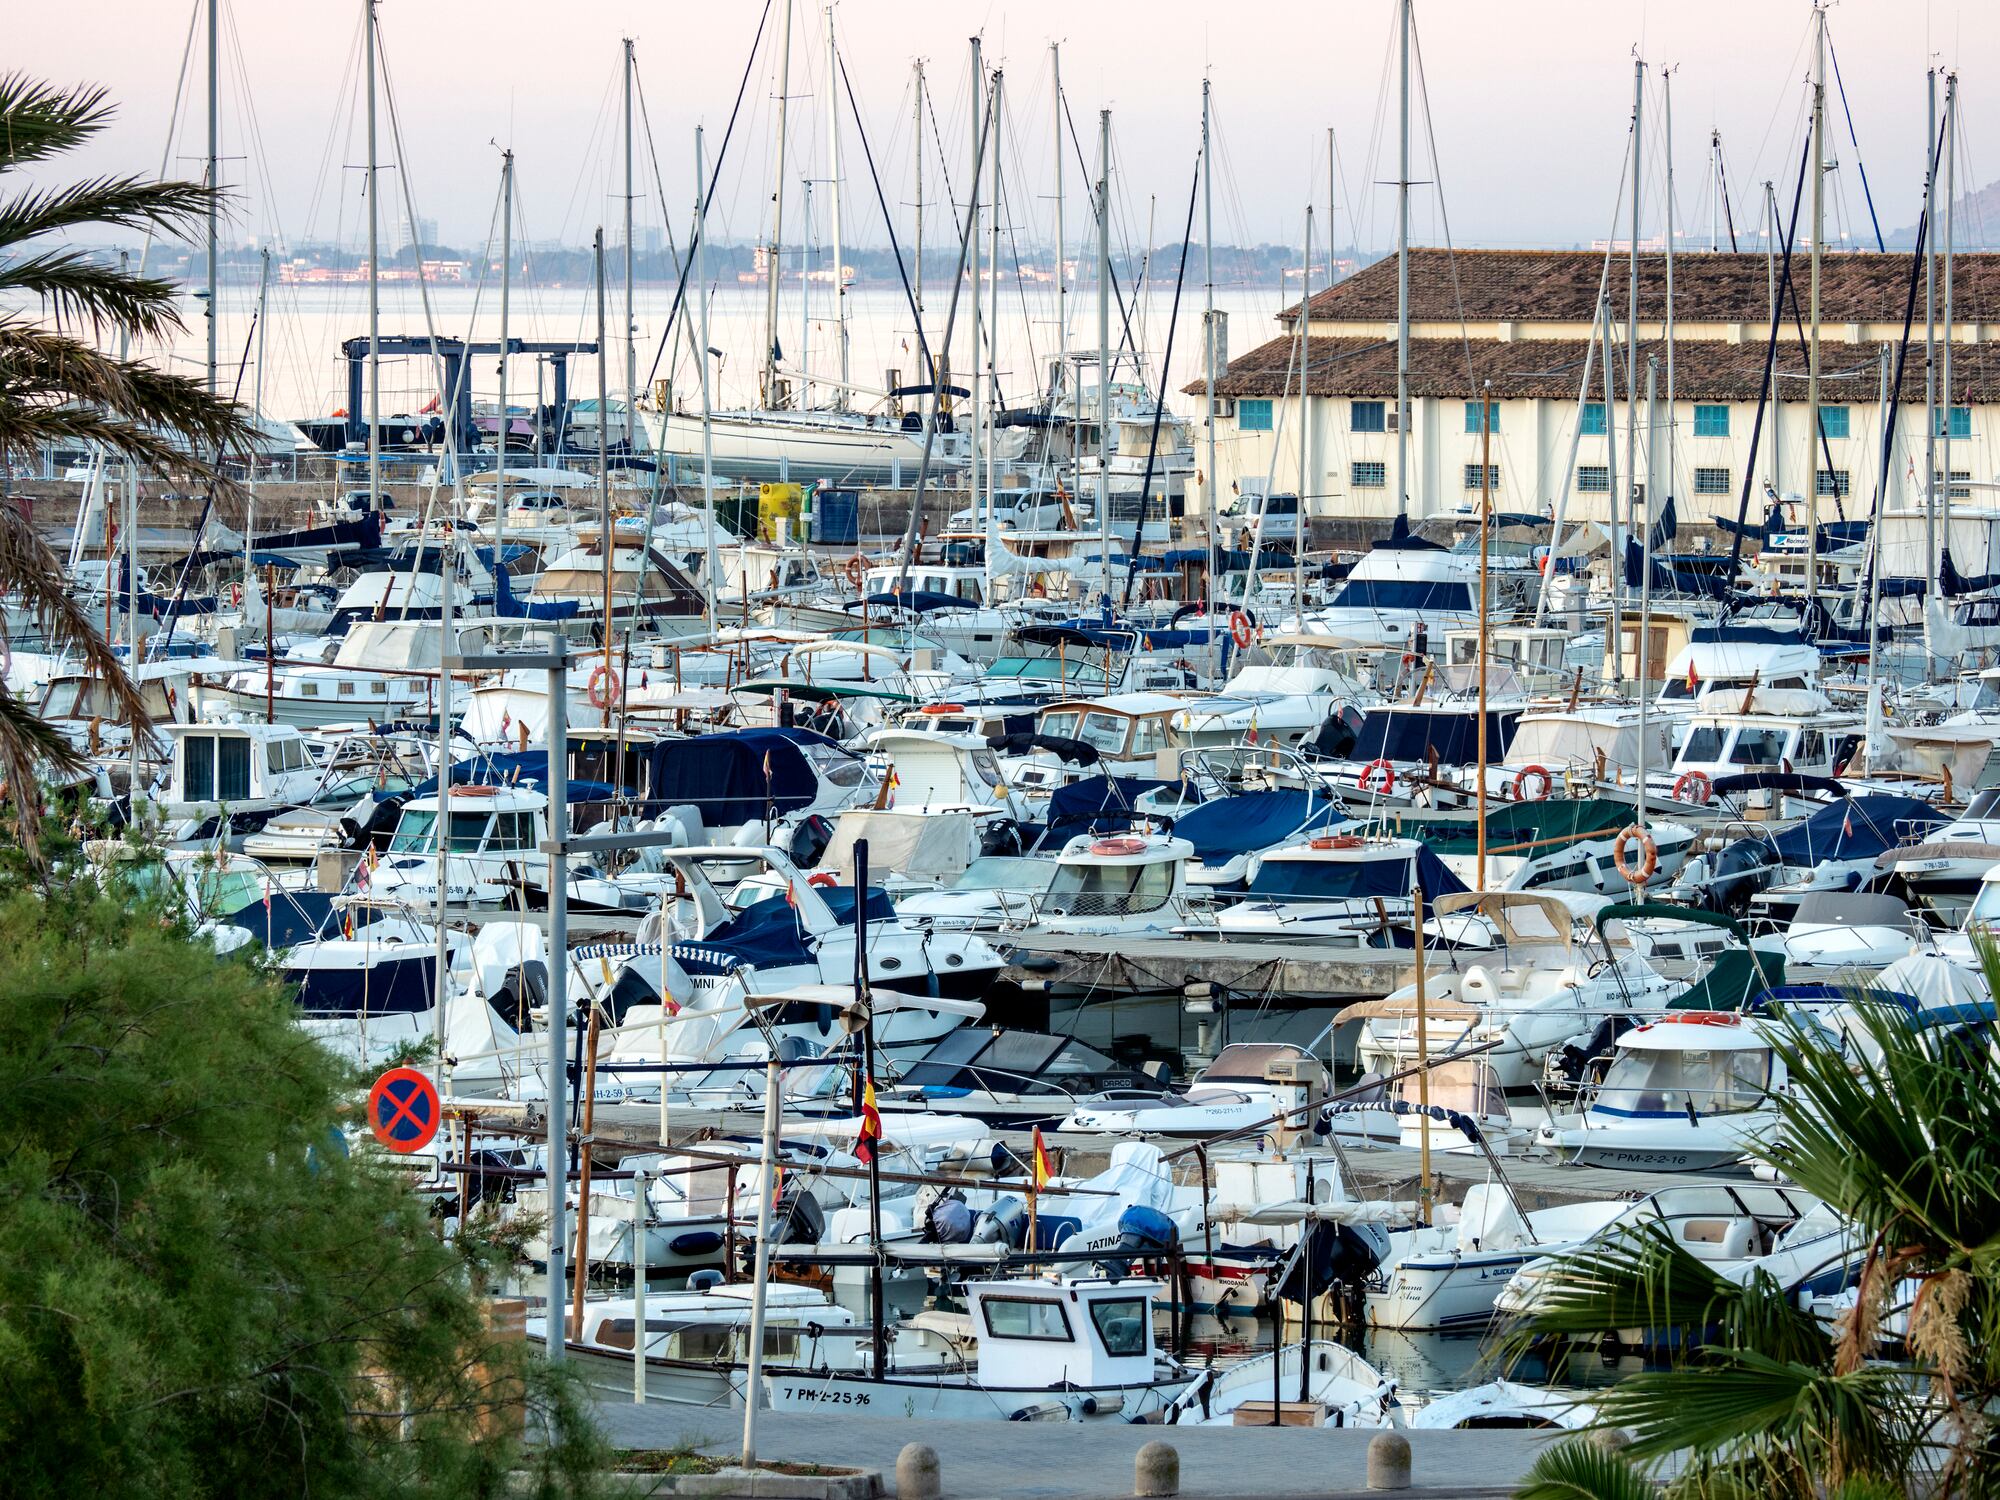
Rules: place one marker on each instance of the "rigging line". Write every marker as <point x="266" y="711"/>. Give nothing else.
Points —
<point x="666" y="217"/>
<point x="1862" y="166"/>
<point x="937" y="135"/>
<point x="1769" y="385"/>
<point x="1125" y="343"/>
<point x="1160" y="402"/>
<point x="868" y="155"/>
<point x="1722" y="188"/>
<point x="173" y="121"/>
<point x="1444" y="217"/>
<point x="708" y="198"/>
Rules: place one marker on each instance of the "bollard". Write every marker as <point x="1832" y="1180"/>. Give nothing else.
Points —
<point x="1388" y="1461"/>
<point x="917" y="1473"/>
<point x="1610" y="1439"/>
<point x="1157" y="1470"/>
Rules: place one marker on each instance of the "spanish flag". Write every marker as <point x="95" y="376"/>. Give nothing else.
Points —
<point x="1039" y="1169"/>
<point x="871" y="1125"/>
<point x="1694" y="682"/>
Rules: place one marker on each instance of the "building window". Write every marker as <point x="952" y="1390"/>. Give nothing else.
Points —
<point x="1711" y="421"/>
<point x="1961" y="488"/>
<point x="1711" y="481"/>
<point x="1833" y="421"/>
<point x="1961" y="423"/>
<point x="1472" y="416"/>
<point x="1366" y="476"/>
<point x="1594" y="479"/>
<point x="1593" y="419"/>
<point x="1833" y="482"/>
<point x="1367" y="416"/>
<point x="1253" y="416"/>
<point x="1492" y="476"/>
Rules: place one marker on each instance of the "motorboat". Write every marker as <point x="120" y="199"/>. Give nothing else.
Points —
<point x="994" y="891"/>
<point x="1834" y="934"/>
<point x="1690" y="1092"/>
<point x="1444" y="1276"/>
<point x="1324" y="1384"/>
<point x="1017" y="1078"/>
<point x="1247" y="1085"/>
<point x="1276" y="704"/>
<point x="488" y="841"/>
<point x="1834" y="847"/>
<point x="228" y="776"/>
<point x="1395" y="595"/>
<point x="1562" y="844"/>
<point x="1230" y="834"/>
<point x="1119" y="883"/>
<point x="1335" y="888"/>
<point x="1945" y="871"/>
<point x="1505" y="1404"/>
<point x="1514" y="973"/>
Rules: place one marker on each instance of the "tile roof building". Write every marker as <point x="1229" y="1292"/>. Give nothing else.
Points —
<point x="1524" y="320"/>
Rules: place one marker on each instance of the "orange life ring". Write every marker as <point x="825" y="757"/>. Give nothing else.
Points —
<point x="857" y="571"/>
<point x="1539" y="777"/>
<point x="824" y="879"/>
<point x="603" y="690"/>
<point x="1388" y="778"/>
<point x="1650" y="852"/>
<point x="1337" y="841"/>
<point x="1698" y="1018"/>
<point x="944" y="708"/>
<point x="1123" y="844"/>
<point x="1696" y="785"/>
<point x="1240" y="629"/>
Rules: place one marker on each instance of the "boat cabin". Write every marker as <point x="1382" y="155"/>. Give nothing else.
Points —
<point x="1794" y="732"/>
<point x="1124" y="876"/>
<point x="238" y="767"/>
<point x="1131" y="728"/>
<point x="1047" y="1335"/>
<point x="495" y="820"/>
<point x="1519" y="658"/>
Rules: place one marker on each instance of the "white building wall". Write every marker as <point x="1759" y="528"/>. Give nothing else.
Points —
<point x="1531" y="447"/>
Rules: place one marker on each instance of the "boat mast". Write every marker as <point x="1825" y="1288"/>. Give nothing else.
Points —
<point x="917" y="153"/>
<point x="1631" y="375"/>
<point x="1813" y="450"/>
<point x="1645" y="653"/>
<point x="257" y="410"/>
<point x="506" y="417"/>
<point x="214" y="170"/>
<point x="1305" y="432"/>
<point x="1715" y="189"/>
<point x="974" y="431"/>
<point x="1950" y="232"/>
<point x="772" y="265"/>
<point x="1775" y="449"/>
<point x="606" y="542"/>
<point x="1062" y="275"/>
<point x="1673" y="423"/>
<point x="993" y="333"/>
<point x="833" y="173"/>
<point x="711" y="565"/>
<point x="631" y="321"/>
<point x="1402" y="273"/>
<point x="1485" y="612"/>
<point x="804" y="355"/>
<point x="1930" y="353"/>
<point x="1208" y="366"/>
<point x="1104" y="351"/>
<point x="374" y="284"/>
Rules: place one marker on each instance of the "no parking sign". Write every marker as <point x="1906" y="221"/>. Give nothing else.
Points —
<point x="403" y="1110"/>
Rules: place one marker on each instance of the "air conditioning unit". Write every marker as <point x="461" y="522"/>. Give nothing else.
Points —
<point x="1393" y="421"/>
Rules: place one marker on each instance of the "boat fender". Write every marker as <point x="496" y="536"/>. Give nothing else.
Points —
<point x="695" y="1242"/>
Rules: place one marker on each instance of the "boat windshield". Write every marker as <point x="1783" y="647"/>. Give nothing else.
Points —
<point x="1652" y="1082"/>
<point x="1100" y="890"/>
<point x="1985" y="906"/>
<point x="416" y="832"/>
<point x="1005" y="872"/>
<point x="1334" y="880"/>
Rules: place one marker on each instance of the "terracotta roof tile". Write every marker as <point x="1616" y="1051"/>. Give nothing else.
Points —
<point x="1561" y="286"/>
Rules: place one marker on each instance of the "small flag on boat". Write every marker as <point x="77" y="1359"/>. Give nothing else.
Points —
<point x="767" y="768"/>
<point x="1847" y="825"/>
<point x="1694" y="682"/>
<point x="1039" y="1169"/>
<point x="871" y="1125"/>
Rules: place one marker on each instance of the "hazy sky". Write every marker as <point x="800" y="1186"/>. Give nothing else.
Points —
<point x="1530" y="100"/>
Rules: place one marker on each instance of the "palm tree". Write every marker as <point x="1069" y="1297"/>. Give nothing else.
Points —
<point x="1902" y="1393"/>
<point x="59" y="387"/>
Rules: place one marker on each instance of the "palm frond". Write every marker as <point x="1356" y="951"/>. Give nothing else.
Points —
<point x="83" y="288"/>
<point x="1580" y="1470"/>
<point x="27" y="746"/>
<point x="39" y="119"/>
<point x="1637" y="1277"/>
<point x="1898" y="1138"/>
<point x="128" y="202"/>
<point x="34" y="575"/>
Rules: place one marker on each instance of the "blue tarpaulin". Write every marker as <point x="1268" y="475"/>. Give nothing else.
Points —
<point x="524" y="768"/>
<point x="1857" y="828"/>
<point x="1101" y="803"/>
<point x="767" y="935"/>
<point x="1384" y="875"/>
<point x="724" y="774"/>
<point x="1229" y="826"/>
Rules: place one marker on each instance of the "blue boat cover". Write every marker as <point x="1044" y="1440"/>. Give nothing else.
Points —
<point x="1856" y="828"/>
<point x="1414" y="735"/>
<point x="510" y="606"/>
<point x="734" y="776"/>
<point x="1103" y="803"/>
<point x="522" y="768"/>
<point x="767" y="935"/>
<point x="1229" y="826"/>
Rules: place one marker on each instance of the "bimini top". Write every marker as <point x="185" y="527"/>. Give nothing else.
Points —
<point x="1509" y="912"/>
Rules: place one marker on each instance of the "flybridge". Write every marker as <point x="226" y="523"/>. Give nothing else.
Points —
<point x="452" y="353"/>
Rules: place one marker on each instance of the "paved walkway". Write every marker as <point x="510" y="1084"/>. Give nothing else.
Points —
<point x="1031" y="1460"/>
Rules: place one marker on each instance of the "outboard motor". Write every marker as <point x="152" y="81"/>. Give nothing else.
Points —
<point x="1142" y="1233"/>
<point x="1005" y="1223"/>
<point x="945" y="1218"/>
<point x="797" y="1218"/>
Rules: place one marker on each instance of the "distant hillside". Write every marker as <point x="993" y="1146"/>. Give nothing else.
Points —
<point x="1975" y="224"/>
